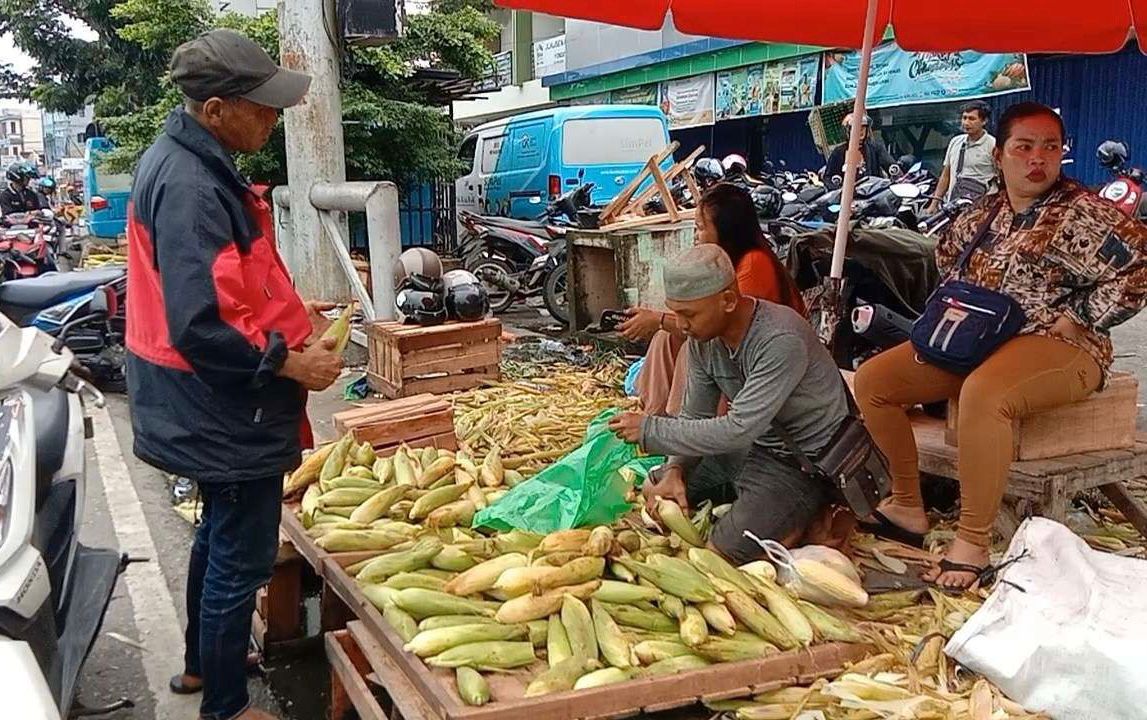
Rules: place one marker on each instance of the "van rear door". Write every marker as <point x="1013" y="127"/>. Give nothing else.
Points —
<point x="611" y="149"/>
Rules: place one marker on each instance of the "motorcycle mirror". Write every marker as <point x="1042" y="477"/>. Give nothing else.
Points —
<point x="917" y="167"/>
<point x="789" y="197"/>
<point x="906" y="191"/>
<point x="895" y="171"/>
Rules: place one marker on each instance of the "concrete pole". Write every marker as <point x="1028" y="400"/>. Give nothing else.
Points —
<point x="314" y="142"/>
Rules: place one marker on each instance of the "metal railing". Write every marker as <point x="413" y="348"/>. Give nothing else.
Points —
<point x="379" y="200"/>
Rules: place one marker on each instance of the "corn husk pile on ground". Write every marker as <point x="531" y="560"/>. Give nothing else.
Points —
<point x="535" y="420"/>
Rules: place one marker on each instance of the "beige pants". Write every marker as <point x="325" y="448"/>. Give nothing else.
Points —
<point x="662" y="380"/>
<point x="1027" y="374"/>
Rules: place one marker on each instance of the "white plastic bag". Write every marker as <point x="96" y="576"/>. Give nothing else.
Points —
<point x="1065" y="630"/>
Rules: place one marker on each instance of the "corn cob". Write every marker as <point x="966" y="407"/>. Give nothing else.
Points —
<point x="742" y="646"/>
<point x="307" y="473"/>
<point x="397" y="527"/>
<point x="379" y="595"/>
<point x="378" y="504"/>
<point x="348" y="482"/>
<point x="400" y="510"/>
<point x="393" y="563"/>
<point x="339" y="330"/>
<point x="645" y="619"/>
<point x="759" y="620"/>
<point x="309" y="505"/>
<point x="694" y="631"/>
<point x="556" y="559"/>
<point x="562" y="676"/>
<point x="483" y="576"/>
<point x="513" y="478"/>
<point x="599" y="543"/>
<point x="719" y="618"/>
<point x="472" y="687"/>
<point x="344" y="497"/>
<point x="651" y="651"/>
<point x="629" y="540"/>
<point x="521" y="580"/>
<point x="403" y="581"/>
<point x="318" y="531"/>
<point x="403" y="469"/>
<point x="457" y="513"/>
<point x="828" y="626"/>
<point x="489" y="655"/>
<point x="492" y="472"/>
<point x="444" y="621"/>
<point x="452" y="558"/>
<point x="425" y="603"/>
<point x="342" y="512"/>
<point x="825" y="586"/>
<point x="621" y="592"/>
<point x="713" y="565"/>
<point x="579" y="628"/>
<point x="673" y="518"/>
<point x="428" y="455"/>
<point x="622" y="573"/>
<point x="352" y="540"/>
<point x="435" y="471"/>
<point x="518" y="541"/>
<point x="615" y="648"/>
<point x="434" y="500"/>
<point x="575" y="572"/>
<point x="674" y="665"/>
<point x="672" y="606"/>
<point x="539" y="631"/>
<point x="473" y="493"/>
<point x="564" y="541"/>
<point x="785" y="610"/>
<point x="401" y="621"/>
<point x="362" y="470"/>
<point x="433" y="642"/>
<point x="598" y="678"/>
<point x="383" y="470"/>
<point x="557" y="642"/>
<point x="336" y="460"/>
<point x="673" y="576"/>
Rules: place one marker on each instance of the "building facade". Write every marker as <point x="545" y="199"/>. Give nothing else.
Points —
<point x="21" y="134"/>
<point x="63" y="135"/>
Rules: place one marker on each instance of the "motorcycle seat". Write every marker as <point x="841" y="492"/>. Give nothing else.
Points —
<point x="51" y="288"/>
<point x="532" y="227"/>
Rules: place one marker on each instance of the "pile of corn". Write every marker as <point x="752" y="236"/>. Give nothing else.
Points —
<point x="537" y="420"/>
<point x="600" y="605"/>
<point x="98" y="256"/>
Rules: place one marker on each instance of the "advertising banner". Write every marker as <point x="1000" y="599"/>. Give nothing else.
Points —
<point x="790" y="85"/>
<point x="638" y="95"/>
<point x="689" y="102"/>
<point x="899" y="77"/>
<point x="739" y="92"/>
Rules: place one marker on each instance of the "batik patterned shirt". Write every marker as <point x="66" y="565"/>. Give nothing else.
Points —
<point x="1071" y="253"/>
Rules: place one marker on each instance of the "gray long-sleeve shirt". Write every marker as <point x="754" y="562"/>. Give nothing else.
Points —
<point x="779" y="371"/>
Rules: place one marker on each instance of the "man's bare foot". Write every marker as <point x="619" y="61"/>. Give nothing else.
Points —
<point x="962" y="552"/>
<point x="910" y="518"/>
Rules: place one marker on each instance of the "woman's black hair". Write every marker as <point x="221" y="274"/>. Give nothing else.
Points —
<point x="731" y="210"/>
<point x="1023" y="111"/>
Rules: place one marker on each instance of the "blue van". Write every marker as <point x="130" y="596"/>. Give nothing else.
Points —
<point x="105" y="194"/>
<point x="517" y="165"/>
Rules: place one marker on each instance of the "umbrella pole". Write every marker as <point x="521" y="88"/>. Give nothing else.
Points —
<point x="853" y="156"/>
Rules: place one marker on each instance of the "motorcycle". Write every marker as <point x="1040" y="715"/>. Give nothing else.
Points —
<point x="514" y="258"/>
<point x="26" y="248"/>
<point x="1125" y="190"/>
<point x="54" y="591"/>
<point x="59" y="304"/>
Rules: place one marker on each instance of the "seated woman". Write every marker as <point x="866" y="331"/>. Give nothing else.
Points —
<point x="727" y="217"/>
<point x="1077" y="266"/>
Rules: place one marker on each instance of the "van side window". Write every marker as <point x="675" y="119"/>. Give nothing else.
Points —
<point x="466" y="152"/>
<point x="491" y="152"/>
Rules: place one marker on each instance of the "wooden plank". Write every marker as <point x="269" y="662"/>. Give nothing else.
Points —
<point x="649" y="220"/>
<point x="293" y="529"/>
<point x="622" y="199"/>
<point x="443" y="441"/>
<point x="449" y="333"/>
<point x="401" y="417"/>
<point x="347" y="684"/>
<point x="386" y="434"/>
<point x="1132" y="507"/>
<point x="383" y="408"/>
<point x="463" y="360"/>
<point x="694" y="189"/>
<point x="666" y="193"/>
<point x="283" y="610"/>
<point x="445" y="352"/>
<point x="647" y="194"/>
<point x="404" y="695"/>
<point x="454" y="383"/>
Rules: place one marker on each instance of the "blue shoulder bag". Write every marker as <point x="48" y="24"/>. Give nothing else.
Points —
<point x="962" y="323"/>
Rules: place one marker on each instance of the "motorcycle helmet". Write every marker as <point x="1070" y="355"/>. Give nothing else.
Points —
<point x="708" y="171"/>
<point x="1112" y="154"/>
<point x="420" y="269"/>
<point x="47" y="184"/>
<point x="734" y="164"/>
<point x="420" y="307"/>
<point x="768" y="200"/>
<point x="19" y="172"/>
<point x="466" y="298"/>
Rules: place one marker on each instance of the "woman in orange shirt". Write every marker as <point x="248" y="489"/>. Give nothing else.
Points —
<point x="725" y="216"/>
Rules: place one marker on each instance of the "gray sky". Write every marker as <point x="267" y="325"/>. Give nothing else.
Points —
<point x="10" y="54"/>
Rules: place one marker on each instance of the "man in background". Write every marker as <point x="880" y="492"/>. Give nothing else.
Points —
<point x="875" y="158"/>
<point x="969" y="167"/>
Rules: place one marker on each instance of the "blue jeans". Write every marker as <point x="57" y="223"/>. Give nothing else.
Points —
<point x="232" y="557"/>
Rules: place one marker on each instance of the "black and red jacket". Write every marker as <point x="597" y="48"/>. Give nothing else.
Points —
<point x="211" y="315"/>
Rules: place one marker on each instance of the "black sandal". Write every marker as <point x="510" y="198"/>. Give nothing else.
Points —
<point x="179" y="687"/>
<point x="888" y="530"/>
<point x="984" y="574"/>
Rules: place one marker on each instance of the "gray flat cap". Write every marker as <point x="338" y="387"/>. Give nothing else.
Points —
<point x="225" y="63"/>
<point x="699" y="272"/>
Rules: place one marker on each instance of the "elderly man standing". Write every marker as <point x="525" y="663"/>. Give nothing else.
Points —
<point x="222" y="351"/>
<point x="767" y="359"/>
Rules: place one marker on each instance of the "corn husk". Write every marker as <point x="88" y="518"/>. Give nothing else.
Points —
<point x="485" y="575"/>
<point x="422" y="603"/>
<point x="490" y="655"/>
<point x="557" y="641"/>
<point x="472" y="687"/>
<point x="439" y="640"/>
<point x="562" y="676"/>
<point x="578" y="622"/>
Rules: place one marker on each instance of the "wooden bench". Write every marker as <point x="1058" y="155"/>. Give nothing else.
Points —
<point x="1046" y="486"/>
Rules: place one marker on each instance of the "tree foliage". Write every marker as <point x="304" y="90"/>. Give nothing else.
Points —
<point x="394" y="128"/>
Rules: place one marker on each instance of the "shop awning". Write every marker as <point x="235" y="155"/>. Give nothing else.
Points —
<point x="1012" y="26"/>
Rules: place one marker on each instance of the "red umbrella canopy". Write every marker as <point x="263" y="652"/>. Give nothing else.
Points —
<point x="1095" y="26"/>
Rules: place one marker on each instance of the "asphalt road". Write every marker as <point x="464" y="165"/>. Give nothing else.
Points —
<point x="140" y="646"/>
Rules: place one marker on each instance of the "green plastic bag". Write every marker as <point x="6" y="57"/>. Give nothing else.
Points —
<point x="583" y="488"/>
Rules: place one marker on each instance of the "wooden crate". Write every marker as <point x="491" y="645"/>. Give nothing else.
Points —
<point x="419" y="421"/>
<point x="407" y="360"/>
<point x="1103" y="421"/>
<point x="432" y="693"/>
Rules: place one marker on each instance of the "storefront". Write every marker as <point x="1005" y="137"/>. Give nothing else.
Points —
<point x="757" y="100"/>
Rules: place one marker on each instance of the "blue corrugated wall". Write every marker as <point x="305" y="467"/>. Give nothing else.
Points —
<point x="1101" y="97"/>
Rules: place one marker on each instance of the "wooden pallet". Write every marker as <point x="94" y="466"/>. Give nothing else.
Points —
<point x="405" y="676"/>
<point x="419" y="421"/>
<point x="407" y="360"/>
<point x="1046" y="487"/>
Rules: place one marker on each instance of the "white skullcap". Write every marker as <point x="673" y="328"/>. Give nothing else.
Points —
<point x="699" y="272"/>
